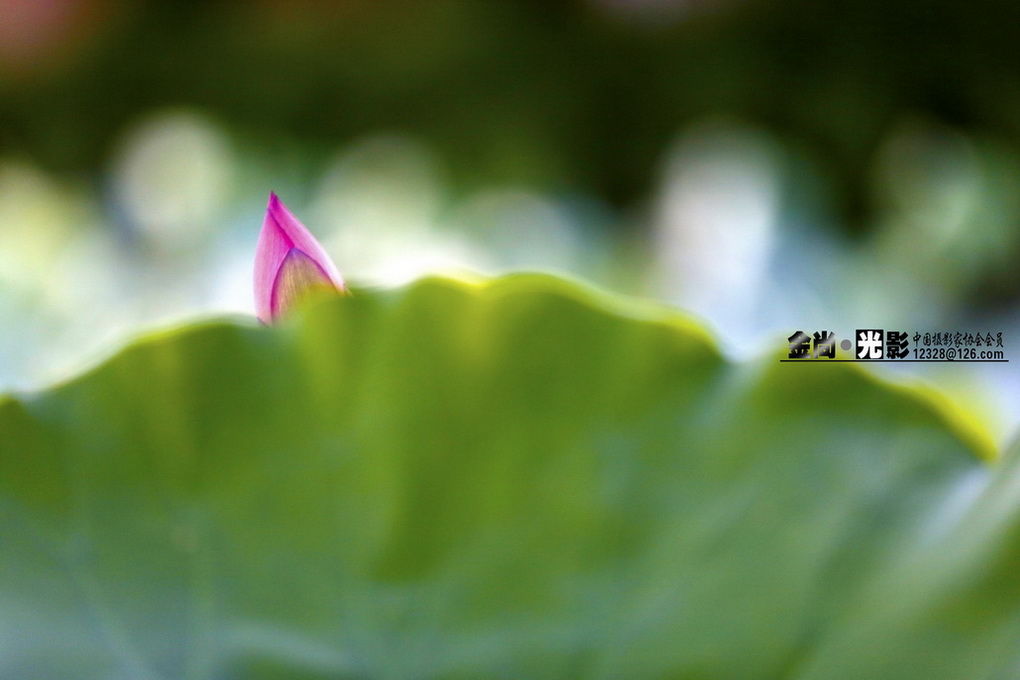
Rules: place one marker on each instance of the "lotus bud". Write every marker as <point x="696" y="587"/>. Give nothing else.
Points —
<point x="289" y="263"/>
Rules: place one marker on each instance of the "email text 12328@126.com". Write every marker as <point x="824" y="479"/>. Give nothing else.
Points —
<point x="878" y="344"/>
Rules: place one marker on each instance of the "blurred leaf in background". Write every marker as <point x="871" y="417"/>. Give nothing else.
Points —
<point x="771" y="165"/>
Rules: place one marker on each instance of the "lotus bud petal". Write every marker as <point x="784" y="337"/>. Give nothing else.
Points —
<point x="289" y="263"/>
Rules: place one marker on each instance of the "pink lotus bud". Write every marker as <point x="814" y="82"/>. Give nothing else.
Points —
<point x="289" y="263"/>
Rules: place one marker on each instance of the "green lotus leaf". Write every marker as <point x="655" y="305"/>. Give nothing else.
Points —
<point x="518" y="478"/>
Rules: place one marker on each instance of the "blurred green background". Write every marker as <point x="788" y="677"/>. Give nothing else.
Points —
<point x="772" y="165"/>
